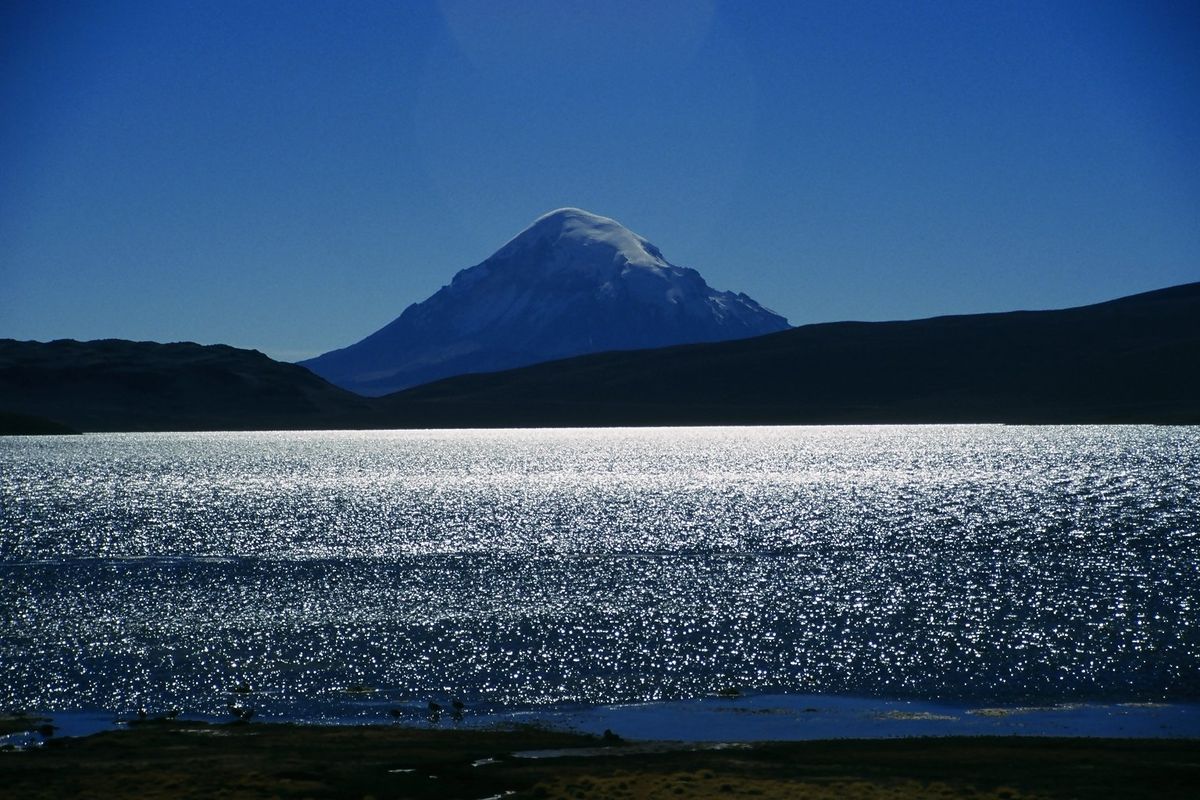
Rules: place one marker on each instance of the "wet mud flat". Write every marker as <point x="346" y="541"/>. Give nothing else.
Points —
<point x="184" y="759"/>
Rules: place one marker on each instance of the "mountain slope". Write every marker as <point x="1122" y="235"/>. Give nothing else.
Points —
<point x="1129" y="360"/>
<point x="116" y="385"/>
<point x="570" y="283"/>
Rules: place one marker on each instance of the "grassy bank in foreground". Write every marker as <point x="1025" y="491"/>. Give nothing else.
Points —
<point x="195" y="760"/>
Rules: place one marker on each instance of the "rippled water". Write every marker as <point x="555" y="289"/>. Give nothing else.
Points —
<point x="515" y="568"/>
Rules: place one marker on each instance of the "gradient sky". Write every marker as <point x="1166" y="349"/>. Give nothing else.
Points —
<point x="290" y="176"/>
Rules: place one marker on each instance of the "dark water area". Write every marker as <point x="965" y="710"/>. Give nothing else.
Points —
<point x="343" y="575"/>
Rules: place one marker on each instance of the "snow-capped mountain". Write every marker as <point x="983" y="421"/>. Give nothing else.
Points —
<point x="571" y="283"/>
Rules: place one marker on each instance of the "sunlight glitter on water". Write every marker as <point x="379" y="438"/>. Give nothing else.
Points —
<point x="988" y="563"/>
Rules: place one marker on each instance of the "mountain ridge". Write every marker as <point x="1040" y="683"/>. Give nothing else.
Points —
<point x="1128" y="360"/>
<point x="120" y="385"/>
<point x="1131" y="359"/>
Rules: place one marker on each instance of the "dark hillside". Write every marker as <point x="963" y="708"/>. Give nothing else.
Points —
<point x="1136" y="359"/>
<point x="116" y="385"/>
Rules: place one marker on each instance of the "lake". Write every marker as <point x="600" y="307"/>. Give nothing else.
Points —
<point x="344" y="574"/>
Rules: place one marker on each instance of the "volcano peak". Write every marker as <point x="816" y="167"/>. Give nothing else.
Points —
<point x="570" y="283"/>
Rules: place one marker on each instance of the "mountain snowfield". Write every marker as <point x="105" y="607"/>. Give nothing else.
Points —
<point x="571" y="283"/>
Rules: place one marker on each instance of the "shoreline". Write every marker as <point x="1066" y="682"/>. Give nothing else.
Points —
<point x="181" y="758"/>
<point x="741" y="718"/>
<point x="798" y="717"/>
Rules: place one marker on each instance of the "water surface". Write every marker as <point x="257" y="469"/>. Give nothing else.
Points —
<point x="346" y="573"/>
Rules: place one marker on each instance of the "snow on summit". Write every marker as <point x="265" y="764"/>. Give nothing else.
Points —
<point x="571" y="283"/>
<point x="571" y="228"/>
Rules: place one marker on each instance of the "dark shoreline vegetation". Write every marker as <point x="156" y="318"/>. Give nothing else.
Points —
<point x="185" y="759"/>
<point x="29" y="425"/>
<point x="1130" y="360"/>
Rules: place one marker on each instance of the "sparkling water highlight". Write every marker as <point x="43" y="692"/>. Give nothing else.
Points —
<point x="336" y="573"/>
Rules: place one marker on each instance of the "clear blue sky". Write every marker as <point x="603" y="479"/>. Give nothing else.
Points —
<point x="290" y="176"/>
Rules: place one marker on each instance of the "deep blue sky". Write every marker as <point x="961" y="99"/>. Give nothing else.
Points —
<point x="289" y="176"/>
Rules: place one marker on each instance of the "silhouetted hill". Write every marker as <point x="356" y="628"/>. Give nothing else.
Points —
<point x="1136" y="359"/>
<point x="115" y="385"/>
<point x="30" y="425"/>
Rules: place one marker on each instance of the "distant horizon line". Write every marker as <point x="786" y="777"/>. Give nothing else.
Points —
<point x="288" y="356"/>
